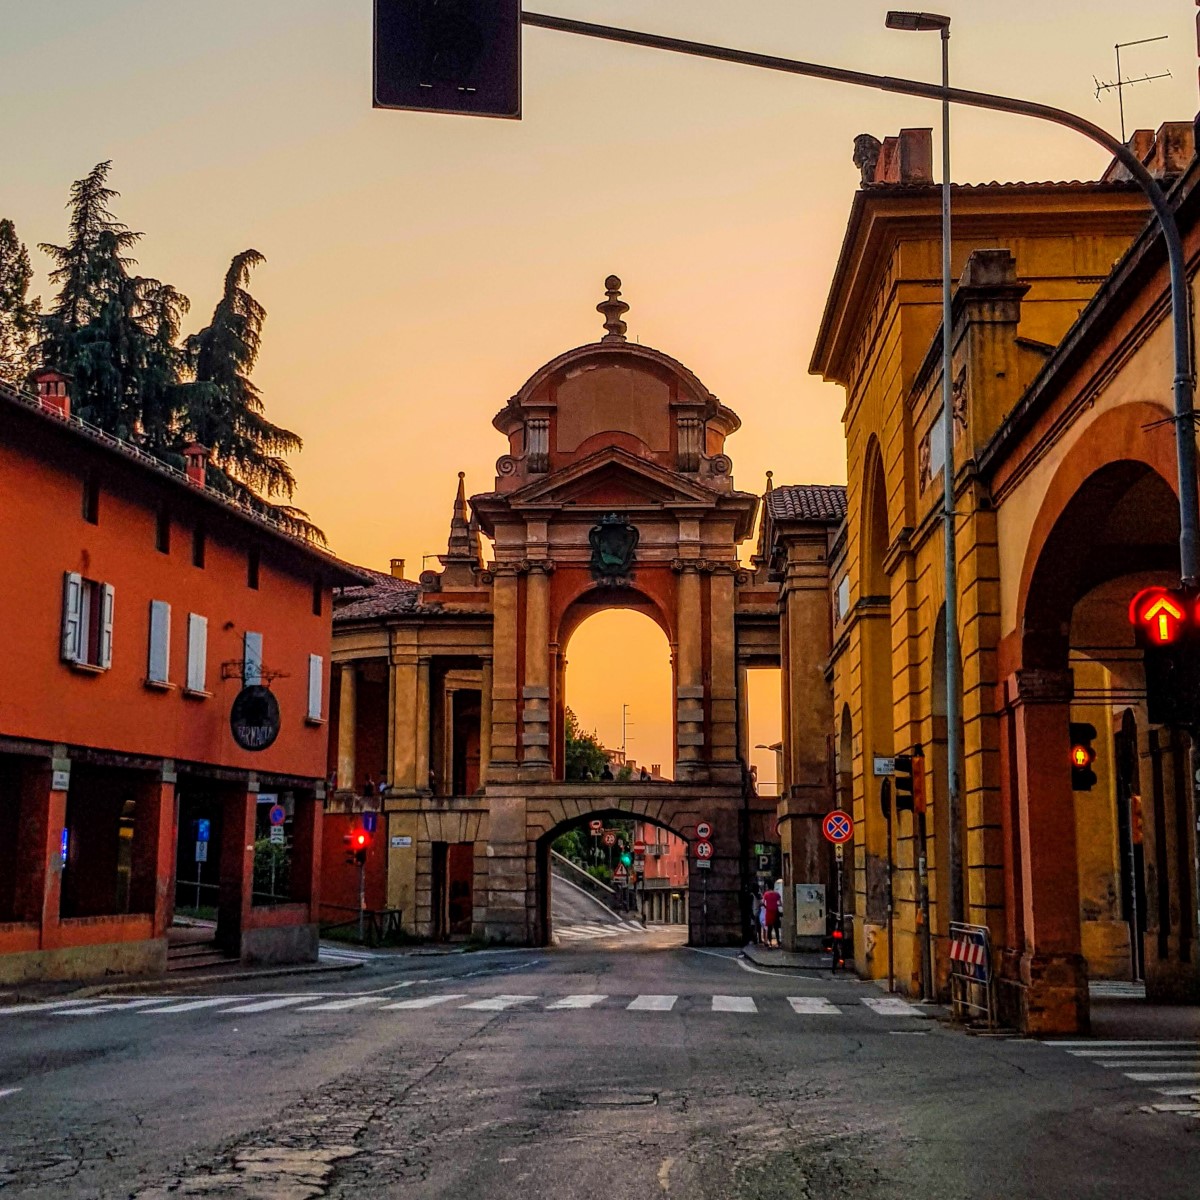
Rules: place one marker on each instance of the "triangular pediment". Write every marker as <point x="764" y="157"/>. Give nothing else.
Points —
<point x="613" y="478"/>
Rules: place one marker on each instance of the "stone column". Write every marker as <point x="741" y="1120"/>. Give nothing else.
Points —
<point x="743" y="713"/>
<point x="234" y="896"/>
<point x="535" y="694"/>
<point x="347" y="780"/>
<point x="38" y="894"/>
<point x="1169" y="854"/>
<point x="689" y="675"/>
<point x="1053" y="974"/>
<point x="723" y="698"/>
<point x="423" y="728"/>
<point x="152" y="875"/>
<point x="485" y="720"/>
<point x="502" y="767"/>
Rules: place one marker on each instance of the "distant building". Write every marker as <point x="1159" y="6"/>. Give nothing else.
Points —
<point x="139" y="604"/>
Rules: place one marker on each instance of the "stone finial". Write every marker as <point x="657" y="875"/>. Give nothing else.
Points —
<point x="463" y="544"/>
<point x="613" y="308"/>
<point x="770" y="484"/>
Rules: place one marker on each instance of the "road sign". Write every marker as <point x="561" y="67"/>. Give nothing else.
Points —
<point x="703" y="864"/>
<point x="837" y="827"/>
<point x="839" y="851"/>
<point x="883" y="765"/>
<point x="703" y="830"/>
<point x="610" y="838"/>
<point x="704" y="849"/>
<point x="620" y="875"/>
<point x="203" y="828"/>
<point x="201" y="852"/>
<point x="277" y="815"/>
<point x="639" y="848"/>
<point x="453" y="57"/>
<point x="595" y="826"/>
<point x="277" y="835"/>
<point x="370" y="821"/>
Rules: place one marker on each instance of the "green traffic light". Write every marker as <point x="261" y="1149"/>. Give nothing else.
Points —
<point x="626" y="859"/>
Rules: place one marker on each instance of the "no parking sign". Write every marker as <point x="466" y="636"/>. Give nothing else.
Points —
<point x="838" y="827"/>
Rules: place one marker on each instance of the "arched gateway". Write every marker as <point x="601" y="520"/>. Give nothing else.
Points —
<point x="615" y="492"/>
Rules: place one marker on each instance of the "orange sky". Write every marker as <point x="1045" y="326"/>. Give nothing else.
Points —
<point x="419" y="268"/>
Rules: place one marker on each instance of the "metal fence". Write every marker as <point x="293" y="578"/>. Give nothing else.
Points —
<point x="971" y="980"/>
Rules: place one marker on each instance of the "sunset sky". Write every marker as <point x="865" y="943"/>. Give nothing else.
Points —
<point x="420" y="268"/>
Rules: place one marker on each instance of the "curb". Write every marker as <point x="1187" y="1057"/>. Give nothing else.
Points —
<point x="816" y="963"/>
<point x="86" y="991"/>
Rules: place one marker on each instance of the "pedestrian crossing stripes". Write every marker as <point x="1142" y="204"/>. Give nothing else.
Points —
<point x="591" y="930"/>
<point x="317" y="1002"/>
<point x="1172" y="1065"/>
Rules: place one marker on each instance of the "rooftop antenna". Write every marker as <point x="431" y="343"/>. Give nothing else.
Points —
<point x="1120" y="84"/>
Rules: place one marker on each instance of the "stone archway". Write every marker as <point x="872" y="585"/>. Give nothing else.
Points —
<point x="1094" y="546"/>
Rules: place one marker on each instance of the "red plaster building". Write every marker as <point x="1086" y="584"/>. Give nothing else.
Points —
<point x="138" y="604"/>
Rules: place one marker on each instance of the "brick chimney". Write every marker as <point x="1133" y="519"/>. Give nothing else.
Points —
<point x="196" y="458"/>
<point x="52" y="391"/>
<point x="397" y="568"/>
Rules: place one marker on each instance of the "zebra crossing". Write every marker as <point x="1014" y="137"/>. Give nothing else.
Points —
<point x="1168" y="1069"/>
<point x="588" y="931"/>
<point x="887" y="1007"/>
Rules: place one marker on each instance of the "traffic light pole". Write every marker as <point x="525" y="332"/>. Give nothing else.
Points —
<point x="1184" y="382"/>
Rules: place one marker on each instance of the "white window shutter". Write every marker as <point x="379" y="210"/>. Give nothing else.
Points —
<point x="158" y="665"/>
<point x="316" y="672"/>
<point x="251" y="658"/>
<point x="197" y="664"/>
<point x="107" y="594"/>
<point x="72" y="616"/>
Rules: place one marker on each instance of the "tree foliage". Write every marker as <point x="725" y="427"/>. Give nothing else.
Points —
<point x="585" y="757"/>
<point x="18" y="313"/>
<point x="119" y="336"/>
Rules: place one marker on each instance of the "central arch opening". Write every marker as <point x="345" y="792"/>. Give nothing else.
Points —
<point x="618" y="736"/>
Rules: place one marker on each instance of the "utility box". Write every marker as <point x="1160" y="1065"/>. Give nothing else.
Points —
<point x="810" y="910"/>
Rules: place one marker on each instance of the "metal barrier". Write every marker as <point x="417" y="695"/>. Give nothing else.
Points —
<point x="971" y="981"/>
<point x="379" y="925"/>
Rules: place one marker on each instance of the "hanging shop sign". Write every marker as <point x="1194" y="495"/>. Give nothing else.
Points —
<point x="254" y="717"/>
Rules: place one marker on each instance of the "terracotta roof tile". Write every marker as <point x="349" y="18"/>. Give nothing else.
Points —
<point x="808" y="502"/>
<point x="385" y="596"/>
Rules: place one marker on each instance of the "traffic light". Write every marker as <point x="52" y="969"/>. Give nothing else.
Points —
<point x="449" y="56"/>
<point x="357" y="844"/>
<point x="1083" y="754"/>
<point x="910" y="781"/>
<point x="1165" y="622"/>
<point x="626" y="858"/>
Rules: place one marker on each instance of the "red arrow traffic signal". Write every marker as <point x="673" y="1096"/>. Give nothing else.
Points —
<point x="1160" y="614"/>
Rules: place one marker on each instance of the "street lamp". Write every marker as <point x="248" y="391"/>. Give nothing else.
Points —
<point x="921" y="22"/>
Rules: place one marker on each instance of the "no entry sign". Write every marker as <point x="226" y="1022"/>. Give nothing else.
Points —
<point x="838" y="827"/>
<point x="639" y="847"/>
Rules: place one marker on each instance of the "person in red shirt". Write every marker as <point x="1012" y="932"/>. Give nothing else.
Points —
<point x="772" y="902"/>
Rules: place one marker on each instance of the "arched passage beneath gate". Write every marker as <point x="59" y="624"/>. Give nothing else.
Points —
<point x="630" y="909"/>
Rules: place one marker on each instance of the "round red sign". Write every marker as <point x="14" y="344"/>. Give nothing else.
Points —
<point x="704" y="849"/>
<point x="610" y="838"/>
<point x="838" y="827"/>
<point x="595" y="826"/>
<point x="703" y="830"/>
<point x="639" y="847"/>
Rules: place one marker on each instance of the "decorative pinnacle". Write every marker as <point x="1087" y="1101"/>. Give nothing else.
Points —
<point x="613" y="308"/>
<point x="770" y="477"/>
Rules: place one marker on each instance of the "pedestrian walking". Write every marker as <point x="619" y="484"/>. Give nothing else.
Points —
<point x="772" y="903"/>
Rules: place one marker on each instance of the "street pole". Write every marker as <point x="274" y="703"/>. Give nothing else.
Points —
<point x="949" y="530"/>
<point x="362" y="897"/>
<point x="1184" y="416"/>
<point x="885" y="791"/>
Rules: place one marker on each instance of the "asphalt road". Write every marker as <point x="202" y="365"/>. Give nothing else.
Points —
<point x="607" y="1069"/>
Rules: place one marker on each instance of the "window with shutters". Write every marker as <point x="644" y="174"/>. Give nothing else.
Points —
<point x="158" y="657"/>
<point x="87" y="622"/>
<point x="316" y="678"/>
<point x="197" y="657"/>
<point x="252" y="658"/>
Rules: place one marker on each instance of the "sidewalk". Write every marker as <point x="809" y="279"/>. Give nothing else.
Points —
<point x="772" y="956"/>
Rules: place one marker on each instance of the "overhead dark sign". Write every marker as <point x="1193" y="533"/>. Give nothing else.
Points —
<point x="254" y="718"/>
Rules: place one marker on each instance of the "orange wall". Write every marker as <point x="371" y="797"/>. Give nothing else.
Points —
<point x="43" y="534"/>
